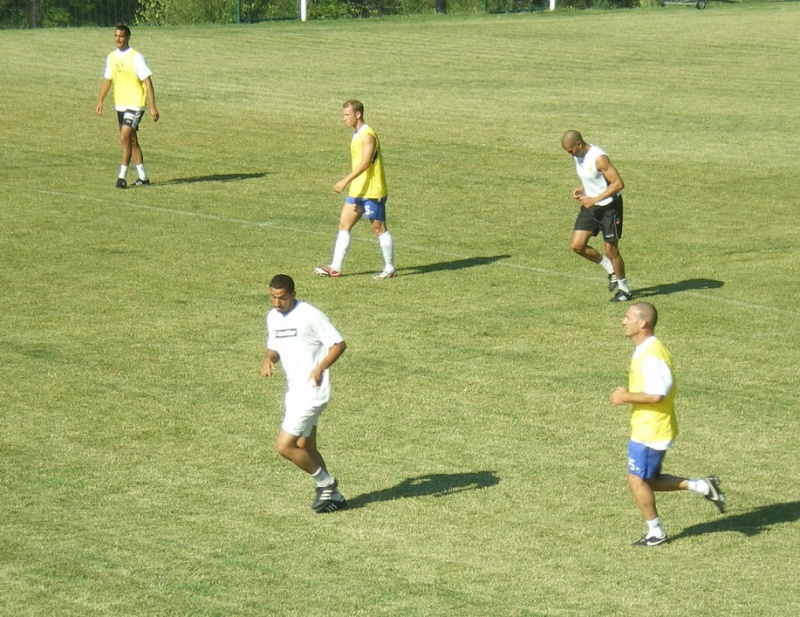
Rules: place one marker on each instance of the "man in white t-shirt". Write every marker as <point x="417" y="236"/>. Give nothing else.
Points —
<point x="127" y="70"/>
<point x="600" y="196"/>
<point x="306" y="343"/>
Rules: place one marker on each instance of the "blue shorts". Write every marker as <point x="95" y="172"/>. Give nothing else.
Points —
<point x="374" y="209"/>
<point x="644" y="462"/>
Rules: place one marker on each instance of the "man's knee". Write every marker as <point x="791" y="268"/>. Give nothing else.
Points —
<point x="285" y="444"/>
<point x="578" y="246"/>
<point x="634" y="480"/>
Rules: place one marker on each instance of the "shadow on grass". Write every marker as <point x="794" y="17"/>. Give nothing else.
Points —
<point x="431" y="485"/>
<point x="671" y="288"/>
<point x="457" y="264"/>
<point x="442" y="266"/>
<point x="749" y="523"/>
<point x="213" y="178"/>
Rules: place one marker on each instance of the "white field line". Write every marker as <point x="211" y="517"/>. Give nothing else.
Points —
<point x="405" y="247"/>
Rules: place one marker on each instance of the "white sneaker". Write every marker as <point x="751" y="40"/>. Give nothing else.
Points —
<point x="328" y="271"/>
<point x="386" y="274"/>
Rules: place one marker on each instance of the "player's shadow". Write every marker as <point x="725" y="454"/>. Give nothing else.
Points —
<point x="458" y="264"/>
<point x="671" y="288"/>
<point x="749" y="523"/>
<point x="213" y="178"/>
<point x="429" y="485"/>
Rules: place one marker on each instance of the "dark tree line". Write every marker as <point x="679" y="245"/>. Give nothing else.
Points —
<point x="54" y="13"/>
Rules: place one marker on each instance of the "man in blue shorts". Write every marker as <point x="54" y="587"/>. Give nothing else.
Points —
<point x="651" y="393"/>
<point x="600" y="196"/>
<point x="366" y="197"/>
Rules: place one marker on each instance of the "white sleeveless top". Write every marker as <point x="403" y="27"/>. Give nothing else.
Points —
<point x="593" y="180"/>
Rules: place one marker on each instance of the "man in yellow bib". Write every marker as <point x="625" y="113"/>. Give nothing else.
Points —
<point x="651" y="392"/>
<point x="133" y="87"/>
<point x="366" y="197"/>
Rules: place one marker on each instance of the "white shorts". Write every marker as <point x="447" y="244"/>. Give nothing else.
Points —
<point x="299" y="421"/>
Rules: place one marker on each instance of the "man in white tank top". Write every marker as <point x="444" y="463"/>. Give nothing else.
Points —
<point x="600" y="196"/>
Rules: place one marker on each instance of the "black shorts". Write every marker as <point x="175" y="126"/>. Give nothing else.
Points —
<point x="607" y="219"/>
<point x="130" y="117"/>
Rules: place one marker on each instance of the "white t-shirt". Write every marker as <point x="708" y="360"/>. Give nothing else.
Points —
<point x="657" y="380"/>
<point x="140" y="66"/>
<point x="593" y="180"/>
<point x="657" y="374"/>
<point x="142" y="70"/>
<point x="302" y="338"/>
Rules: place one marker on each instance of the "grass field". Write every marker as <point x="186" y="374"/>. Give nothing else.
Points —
<point x="470" y="427"/>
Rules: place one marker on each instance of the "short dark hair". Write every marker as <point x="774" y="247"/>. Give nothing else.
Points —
<point x="124" y="28"/>
<point x="282" y="281"/>
<point x="354" y="105"/>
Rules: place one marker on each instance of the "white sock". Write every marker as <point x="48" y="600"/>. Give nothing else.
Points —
<point x="123" y="171"/>
<point x="140" y="170"/>
<point x="322" y="477"/>
<point x="387" y="248"/>
<point x="340" y="250"/>
<point x="606" y="265"/>
<point x="699" y="486"/>
<point x="623" y="285"/>
<point x="654" y="528"/>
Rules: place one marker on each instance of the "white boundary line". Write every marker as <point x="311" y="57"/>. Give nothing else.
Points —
<point x="269" y="224"/>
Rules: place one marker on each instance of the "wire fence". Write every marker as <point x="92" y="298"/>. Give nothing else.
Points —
<point x="107" y="13"/>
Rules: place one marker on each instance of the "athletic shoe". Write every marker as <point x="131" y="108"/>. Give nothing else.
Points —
<point x="327" y="271"/>
<point x="650" y="541"/>
<point x="621" y="296"/>
<point x="121" y="184"/>
<point x="333" y="506"/>
<point x="612" y="283"/>
<point x="328" y="499"/>
<point x="324" y="494"/>
<point x="142" y="182"/>
<point x="386" y="274"/>
<point x="715" y="495"/>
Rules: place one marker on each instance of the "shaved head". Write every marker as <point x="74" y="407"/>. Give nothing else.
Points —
<point x="571" y="138"/>
<point x="647" y="313"/>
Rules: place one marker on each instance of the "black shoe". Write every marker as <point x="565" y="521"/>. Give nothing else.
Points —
<point x="142" y="182"/>
<point x="650" y="541"/>
<point x="715" y="495"/>
<point x="121" y="184"/>
<point x="332" y="506"/>
<point x="621" y="296"/>
<point x="328" y="499"/>
<point x="612" y="283"/>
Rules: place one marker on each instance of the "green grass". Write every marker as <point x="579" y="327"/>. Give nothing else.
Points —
<point x="469" y="420"/>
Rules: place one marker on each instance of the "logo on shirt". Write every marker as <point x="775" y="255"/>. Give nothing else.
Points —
<point x="287" y="333"/>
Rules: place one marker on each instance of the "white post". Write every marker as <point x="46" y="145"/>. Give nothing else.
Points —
<point x="304" y="9"/>
<point x="552" y="5"/>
